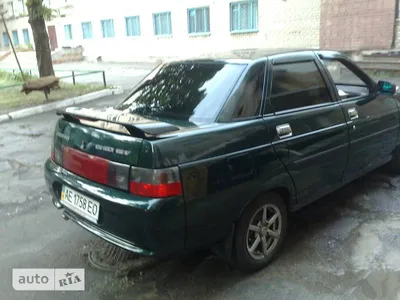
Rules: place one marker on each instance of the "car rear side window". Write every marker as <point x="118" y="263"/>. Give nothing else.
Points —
<point x="296" y="85"/>
<point x="246" y="99"/>
<point x="184" y="91"/>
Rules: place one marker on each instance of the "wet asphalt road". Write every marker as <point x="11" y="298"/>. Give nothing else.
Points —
<point x="345" y="246"/>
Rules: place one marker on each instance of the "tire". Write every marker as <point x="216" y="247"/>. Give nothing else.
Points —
<point x="244" y="257"/>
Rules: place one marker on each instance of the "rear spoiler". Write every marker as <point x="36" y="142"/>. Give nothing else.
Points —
<point x="144" y="131"/>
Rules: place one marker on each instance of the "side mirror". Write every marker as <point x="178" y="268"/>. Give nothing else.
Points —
<point x="386" y="87"/>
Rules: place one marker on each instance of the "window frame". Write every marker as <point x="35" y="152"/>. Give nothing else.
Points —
<point x="269" y="109"/>
<point x="200" y="33"/>
<point x="169" y="14"/>
<point x="126" y="26"/>
<point x="70" y="32"/>
<point x="256" y="17"/>
<point x="102" y="22"/>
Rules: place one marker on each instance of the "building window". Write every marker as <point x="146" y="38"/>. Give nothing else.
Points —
<point x="132" y="26"/>
<point x="6" y="40"/>
<point x="162" y="23"/>
<point x="15" y="37"/>
<point x="27" y="40"/>
<point x="22" y="5"/>
<point x="397" y="9"/>
<point x="244" y="16"/>
<point x="11" y="11"/>
<point x="107" y="28"/>
<point x="68" y="31"/>
<point x="87" y="30"/>
<point x="199" y="20"/>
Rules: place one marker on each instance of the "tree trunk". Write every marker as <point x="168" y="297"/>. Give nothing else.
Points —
<point x="42" y="46"/>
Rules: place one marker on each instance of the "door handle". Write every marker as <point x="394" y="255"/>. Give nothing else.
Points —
<point x="284" y="131"/>
<point x="353" y="114"/>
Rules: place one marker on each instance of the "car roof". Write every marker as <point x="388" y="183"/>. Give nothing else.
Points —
<point x="247" y="56"/>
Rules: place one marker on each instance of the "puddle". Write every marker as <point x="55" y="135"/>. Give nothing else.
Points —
<point x="379" y="285"/>
<point x="377" y="246"/>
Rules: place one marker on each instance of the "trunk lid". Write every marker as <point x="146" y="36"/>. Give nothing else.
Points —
<point x="105" y="145"/>
<point x="108" y="133"/>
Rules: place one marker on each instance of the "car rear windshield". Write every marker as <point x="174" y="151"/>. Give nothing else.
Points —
<point x="189" y="91"/>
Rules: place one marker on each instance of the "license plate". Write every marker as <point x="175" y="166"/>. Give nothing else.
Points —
<point x="82" y="205"/>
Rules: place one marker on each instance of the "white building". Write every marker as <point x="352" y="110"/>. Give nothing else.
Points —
<point x="123" y="30"/>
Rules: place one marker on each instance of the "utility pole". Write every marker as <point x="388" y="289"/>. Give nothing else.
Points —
<point x="11" y="43"/>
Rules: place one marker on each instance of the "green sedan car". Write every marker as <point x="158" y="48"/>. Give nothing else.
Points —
<point x="215" y="154"/>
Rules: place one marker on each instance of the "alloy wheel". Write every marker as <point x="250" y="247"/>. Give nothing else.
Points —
<point x="264" y="231"/>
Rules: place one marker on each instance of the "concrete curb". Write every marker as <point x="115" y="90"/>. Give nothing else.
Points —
<point x="18" y="114"/>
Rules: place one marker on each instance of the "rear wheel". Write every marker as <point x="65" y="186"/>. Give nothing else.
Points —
<point x="260" y="233"/>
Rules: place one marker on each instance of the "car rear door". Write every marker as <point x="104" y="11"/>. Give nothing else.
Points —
<point x="372" y="118"/>
<point x="308" y="125"/>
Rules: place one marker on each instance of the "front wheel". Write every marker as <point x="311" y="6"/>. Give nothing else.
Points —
<point x="260" y="233"/>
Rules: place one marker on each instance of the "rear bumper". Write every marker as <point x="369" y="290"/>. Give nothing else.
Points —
<point x="67" y="215"/>
<point x="150" y="227"/>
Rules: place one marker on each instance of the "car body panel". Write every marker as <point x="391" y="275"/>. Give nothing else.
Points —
<point x="373" y="136"/>
<point x="225" y="164"/>
<point x="239" y="165"/>
<point x="115" y="147"/>
<point x="315" y="154"/>
<point x="157" y="226"/>
<point x="374" y="132"/>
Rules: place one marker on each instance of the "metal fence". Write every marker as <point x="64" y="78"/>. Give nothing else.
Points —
<point x="71" y="74"/>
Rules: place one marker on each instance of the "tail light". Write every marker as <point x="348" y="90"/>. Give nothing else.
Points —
<point x="91" y="167"/>
<point x="156" y="183"/>
<point x="96" y="168"/>
<point x="56" y="154"/>
<point x="53" y="155"/>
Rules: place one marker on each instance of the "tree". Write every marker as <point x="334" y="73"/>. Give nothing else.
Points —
<point x="38" y="14"/>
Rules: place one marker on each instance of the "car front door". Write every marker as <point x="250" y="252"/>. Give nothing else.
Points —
<point x="308" y="124"/>
<point x="373" y="118"/>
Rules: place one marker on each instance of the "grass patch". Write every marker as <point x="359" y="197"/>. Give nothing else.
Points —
<point x="12" y="98"/>
<point x="7" y="78"/>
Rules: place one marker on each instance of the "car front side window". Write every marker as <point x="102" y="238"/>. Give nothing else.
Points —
<point x="348" y="83"/>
